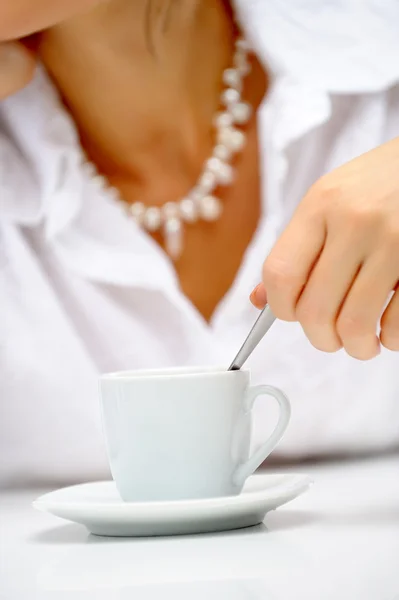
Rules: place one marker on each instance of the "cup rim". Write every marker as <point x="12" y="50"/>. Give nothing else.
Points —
<point x="171" y="373"/>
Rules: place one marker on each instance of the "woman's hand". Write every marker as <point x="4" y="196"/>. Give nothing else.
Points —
<point x="336" y="264"/>
<point x="17" y="65"/>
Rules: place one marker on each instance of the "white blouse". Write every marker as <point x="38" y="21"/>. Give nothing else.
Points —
<point x="83" y="291"/>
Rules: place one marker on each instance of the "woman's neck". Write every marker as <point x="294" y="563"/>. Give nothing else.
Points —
<point x="142" y="87"/>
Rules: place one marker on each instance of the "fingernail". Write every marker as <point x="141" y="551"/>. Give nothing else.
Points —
<point x="258" y="296"/>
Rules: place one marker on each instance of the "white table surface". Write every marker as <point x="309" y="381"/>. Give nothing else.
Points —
<point x="340" y="541"/>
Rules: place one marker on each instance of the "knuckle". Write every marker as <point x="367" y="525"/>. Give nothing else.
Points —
<point x="390" y="343"/>
<point x="343" y="205"/>
<point x="311" y="313"/>
<point x="361" y="217"/>
<point x="327" y="191"/>
<point x="391" y="236"/>
<point x="390" y="325"/>
<point x="352" y="326"/>
<point x="278" y="275"/>
<point x="356" y="218"/>
<point x="318" y="325"/>
<point x="390" y="332"/>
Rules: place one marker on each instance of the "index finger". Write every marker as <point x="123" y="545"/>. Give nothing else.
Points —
<point x="290" y="263"/>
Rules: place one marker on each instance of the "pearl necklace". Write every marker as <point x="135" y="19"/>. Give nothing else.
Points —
<point x="201" y="203"/>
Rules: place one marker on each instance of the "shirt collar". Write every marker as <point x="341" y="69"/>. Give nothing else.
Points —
<point x="339" y="47"/>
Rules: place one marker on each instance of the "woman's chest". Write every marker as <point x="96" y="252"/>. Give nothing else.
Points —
<point x="214" y="252"/>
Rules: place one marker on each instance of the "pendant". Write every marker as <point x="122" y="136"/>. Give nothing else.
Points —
<point x="173" y="234"/>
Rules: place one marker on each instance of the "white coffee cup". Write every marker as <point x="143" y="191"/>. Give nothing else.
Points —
<point x="177" y="434"/>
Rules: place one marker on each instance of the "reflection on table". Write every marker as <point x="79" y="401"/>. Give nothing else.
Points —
<point x="340" y="540"/>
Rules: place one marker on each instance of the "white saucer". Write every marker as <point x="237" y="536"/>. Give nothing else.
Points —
<point x="98" y="507"/>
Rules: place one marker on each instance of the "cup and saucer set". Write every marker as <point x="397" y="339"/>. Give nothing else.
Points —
<point x="178" y="442"/>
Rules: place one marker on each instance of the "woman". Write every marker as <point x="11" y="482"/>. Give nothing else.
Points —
<point x="150" y="262"/>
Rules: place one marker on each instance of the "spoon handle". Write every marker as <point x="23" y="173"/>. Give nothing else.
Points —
<point x="260" y="328"/>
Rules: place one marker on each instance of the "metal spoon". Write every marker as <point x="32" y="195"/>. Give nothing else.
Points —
<point x="260" y="328"/>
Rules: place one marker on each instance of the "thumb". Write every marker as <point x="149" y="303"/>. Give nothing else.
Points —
<point x="17" y="66"/>
<point x="258" y="296"/>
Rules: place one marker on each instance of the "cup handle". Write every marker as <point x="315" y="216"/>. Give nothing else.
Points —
<point x="250" y="466"/>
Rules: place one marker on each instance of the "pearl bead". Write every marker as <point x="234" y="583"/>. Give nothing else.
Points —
<point x="241" y="112"/>
<point x="137" y="211"/>
<point x="213" y="164"/>
<point x="237" y="140"/>
<point x="230" y="96"/>
<point x="224" y="173"/>
<point x="242" y="65"/>
<point x="232" y="138"/>
<point x="188" y="210"/>
<point x="207" y="182"/>
<point x="89" y="169"/>
<point x="210" y="208"/>
<point x="196" y="194"/>
<point x="222" y="152"/>
<point x="173" y="237"/>
<point x="243" y="45"/>
<point x="100" y="182"/>
<point x="223" y="119"/>
<point x="152" y="218"/>
<point x="223" y="136"/>
<point x="113" y="194"/>
<point x="232" y="78"/>
<point x="170" y="210"/>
